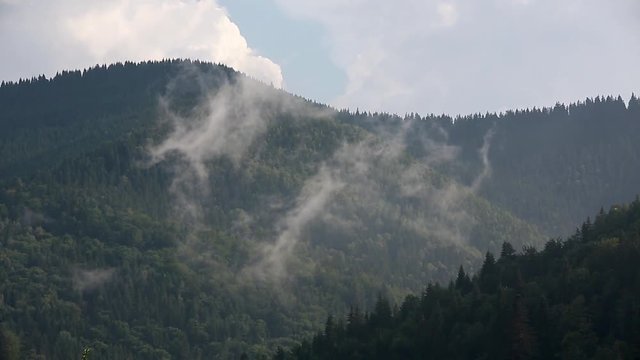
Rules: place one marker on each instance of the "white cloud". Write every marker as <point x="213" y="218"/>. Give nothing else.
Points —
<point x="463" y="56"/>
<point x="43" y="37"/>
<point x="448" y="14"/>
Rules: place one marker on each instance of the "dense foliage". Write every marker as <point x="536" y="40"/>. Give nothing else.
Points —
<point x="97" y="252"/>
<point x="576" y="299"/>
<point x="550" y="166"/>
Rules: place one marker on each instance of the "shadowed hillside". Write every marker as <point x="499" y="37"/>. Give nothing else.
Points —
<point x="178" y="209"/>
<point x="576" y="299"/>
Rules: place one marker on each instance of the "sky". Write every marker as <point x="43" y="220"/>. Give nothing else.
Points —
<point x="403" y="56"/>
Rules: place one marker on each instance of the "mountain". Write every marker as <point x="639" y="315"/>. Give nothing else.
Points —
<point x="179" y="209"/>
<point x="550" y="166"/>
<point x="576" y="299"/>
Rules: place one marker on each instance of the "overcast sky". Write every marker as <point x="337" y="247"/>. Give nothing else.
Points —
<point x="425" y="56"/>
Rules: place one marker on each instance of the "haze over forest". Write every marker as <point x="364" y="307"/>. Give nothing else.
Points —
<point x="180" y="209"/>
<point x="181" y="200"/>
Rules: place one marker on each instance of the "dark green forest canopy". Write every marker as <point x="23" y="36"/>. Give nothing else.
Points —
<point x="575" y="299"/>
<point x="549" y="166"/>
<point x="96" y="253"/>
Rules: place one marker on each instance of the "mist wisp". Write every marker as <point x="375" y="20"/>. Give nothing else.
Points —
<point x="85" y="280"/>
<point x="484" y="157"/>
<point x="224" y="123"/>
<point x="373" y="177"/>
<point x="310" y="204"/>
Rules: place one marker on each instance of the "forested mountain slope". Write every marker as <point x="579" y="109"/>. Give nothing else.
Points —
<point x="181" y="210"/>
<point x="576" y="299"/>
<point x="548" y="166"/>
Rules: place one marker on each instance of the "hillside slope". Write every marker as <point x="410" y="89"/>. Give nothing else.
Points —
<point x="181" y="210"/>
<point x="548" y="166"/>
<point x="576" y="299"/>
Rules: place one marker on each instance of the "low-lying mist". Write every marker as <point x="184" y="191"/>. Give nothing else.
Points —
<point x="366" y="190"/>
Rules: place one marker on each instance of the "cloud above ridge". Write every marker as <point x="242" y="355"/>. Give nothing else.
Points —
<point x="466" y="56"/>
<point x="44" y="37"/>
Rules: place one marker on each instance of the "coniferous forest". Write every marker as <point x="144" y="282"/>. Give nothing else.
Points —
<point x="129" y="229"/>
<point x="574" y="299"/>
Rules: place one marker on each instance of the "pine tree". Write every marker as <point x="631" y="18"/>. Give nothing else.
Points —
<point x="463" y="282"/>
<point x="507" y="250"/>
